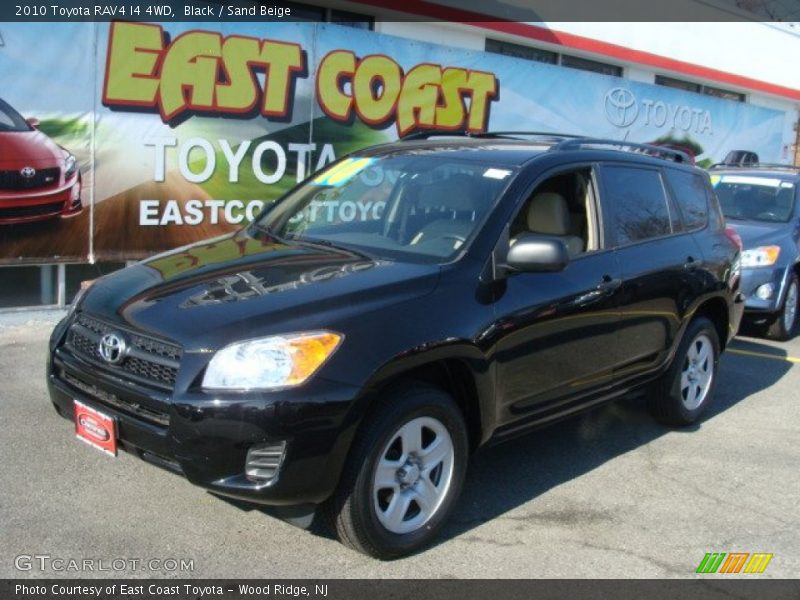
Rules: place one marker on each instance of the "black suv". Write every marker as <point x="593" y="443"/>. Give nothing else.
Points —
<point x="760" y="202"/>
<point x="352" y="346"/>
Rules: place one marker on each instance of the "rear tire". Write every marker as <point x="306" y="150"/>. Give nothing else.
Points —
<point x="685" y="390"/>
<point x="404" y="473"/>
<point x="785" y="326"/>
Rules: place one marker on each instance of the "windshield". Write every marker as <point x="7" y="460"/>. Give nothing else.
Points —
<point x="418" y="207"/>
<point x="755" y="198"/>
<point x="11" y="120"/>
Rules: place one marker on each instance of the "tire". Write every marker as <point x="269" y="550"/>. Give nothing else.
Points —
<point x="686" y="389"/>
<point x="785" y="326"/>
<point x="361" y="511"/>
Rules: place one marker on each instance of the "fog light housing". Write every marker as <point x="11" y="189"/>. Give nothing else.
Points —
<point x="264" y="461"/>
<point x="765" y="291"/>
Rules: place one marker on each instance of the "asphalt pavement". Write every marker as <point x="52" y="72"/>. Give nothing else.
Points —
<point x="607" y="494"/>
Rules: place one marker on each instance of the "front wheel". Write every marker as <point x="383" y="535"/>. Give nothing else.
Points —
<point x="685" y="390"/>
<point x="785" y="326"/>
<point x="404" y="473"/>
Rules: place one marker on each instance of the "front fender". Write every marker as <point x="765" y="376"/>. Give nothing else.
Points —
<point x="787" y="273"/>
<point x="461" y="358"/>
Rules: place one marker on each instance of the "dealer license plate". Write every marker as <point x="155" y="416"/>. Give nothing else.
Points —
<point x="95" y="428"/>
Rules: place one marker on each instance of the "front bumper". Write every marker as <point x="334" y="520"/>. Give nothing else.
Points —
<point x="753" y="279"/>
<point x="205" y="437"/>
<point x="26" y="206"/>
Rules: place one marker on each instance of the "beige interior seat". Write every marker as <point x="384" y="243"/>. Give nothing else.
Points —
<point x="548" y="214"/>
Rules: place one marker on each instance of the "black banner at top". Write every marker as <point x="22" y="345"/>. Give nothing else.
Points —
<point x="462" y="11"/>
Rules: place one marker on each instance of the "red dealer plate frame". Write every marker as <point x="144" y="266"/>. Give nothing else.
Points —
<point x="96" y="428"/>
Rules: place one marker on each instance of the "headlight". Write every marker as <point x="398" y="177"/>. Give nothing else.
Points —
<point x="70" y="166"/>
<point x="762" y="256"/>
<point x="272" y="362"/>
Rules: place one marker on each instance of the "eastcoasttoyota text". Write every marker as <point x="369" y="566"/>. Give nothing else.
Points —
<point x="349" y="367"/>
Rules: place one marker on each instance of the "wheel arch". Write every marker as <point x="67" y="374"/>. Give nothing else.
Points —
<point x="716" y="310"/>
<point x="463" y="372"/>
<point x="795" y="268"/>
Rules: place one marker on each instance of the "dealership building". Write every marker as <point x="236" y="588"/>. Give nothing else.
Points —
<point x="749" y="60"/>
<point x="157" y="171"/>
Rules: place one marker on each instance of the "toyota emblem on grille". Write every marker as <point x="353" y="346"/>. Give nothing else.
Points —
<point x="27" y="172"/>
<point x="112" y="348"/>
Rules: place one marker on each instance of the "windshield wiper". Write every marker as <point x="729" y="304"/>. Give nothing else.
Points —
<point x="328" y="244"/>
<point x="266" y="229"/>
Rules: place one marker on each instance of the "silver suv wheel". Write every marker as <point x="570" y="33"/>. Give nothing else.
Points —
<point x="413" y="475"/>
<point x="698" y="372"/>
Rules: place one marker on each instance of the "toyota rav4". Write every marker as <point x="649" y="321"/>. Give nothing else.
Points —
<point x="760" y="202"/>
<point x="410" y="303"/>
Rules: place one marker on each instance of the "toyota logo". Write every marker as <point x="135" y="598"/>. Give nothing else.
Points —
<point x="112" y="348"/>
<point x="27" y="172"/>
<point x="621" y="107"/>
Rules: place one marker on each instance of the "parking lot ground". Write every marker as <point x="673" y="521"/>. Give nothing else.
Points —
<point x="607" y="494"/>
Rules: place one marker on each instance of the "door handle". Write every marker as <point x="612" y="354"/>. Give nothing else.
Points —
<point x="609" y="284"/>
<point x="690" y="263"/>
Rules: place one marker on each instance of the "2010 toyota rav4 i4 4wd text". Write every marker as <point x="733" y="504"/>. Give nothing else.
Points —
<point x="350" y="348"/>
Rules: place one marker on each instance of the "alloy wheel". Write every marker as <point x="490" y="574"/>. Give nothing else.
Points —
<point x="413" y="475"/>
<point x="698" y="372"/>
<point x="790" y="308"/>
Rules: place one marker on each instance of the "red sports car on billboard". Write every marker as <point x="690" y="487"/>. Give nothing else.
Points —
<point x="38" y="178"/>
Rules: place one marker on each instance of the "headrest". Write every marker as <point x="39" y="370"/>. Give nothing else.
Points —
<point x="458" y="192"/>
<point x="548" y="213"/>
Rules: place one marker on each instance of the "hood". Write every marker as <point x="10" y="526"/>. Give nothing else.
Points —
<point x="237" y="287"/>
<point x="23" y="147"/>
<point x="755" y="234"/>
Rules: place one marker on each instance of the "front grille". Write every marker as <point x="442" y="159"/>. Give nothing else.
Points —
<point x="159" y="417"/>
<point x="17" y="212"/>
<point x="148" y="360"/>
<point x="14" y="180"/>
<point x="150" y="370"/>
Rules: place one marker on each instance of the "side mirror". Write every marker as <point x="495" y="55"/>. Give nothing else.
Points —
<point x="33" y="122"/>
<point x="535" y="253"/>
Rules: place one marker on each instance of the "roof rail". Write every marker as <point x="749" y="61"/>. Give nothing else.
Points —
<point x="625" y="146"/>
<point x="758" y="165"/>
<point x="544" y="134"/>
<point x="424" y="134"/>
<point x="514" y="135"/>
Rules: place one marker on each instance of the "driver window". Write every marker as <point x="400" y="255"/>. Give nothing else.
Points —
<point x="563" y="207"/>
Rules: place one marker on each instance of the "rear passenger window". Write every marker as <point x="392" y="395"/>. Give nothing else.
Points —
<point x="691" y="195"/>
<point x="637" y="200"/>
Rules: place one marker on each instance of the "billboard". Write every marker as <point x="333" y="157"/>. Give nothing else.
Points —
<point x="141" y="137"/>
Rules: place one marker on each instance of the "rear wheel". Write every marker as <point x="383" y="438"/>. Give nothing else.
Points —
<point x="685" y="390"/>
<point x="404" y="473"/>
<point x="785" y="326"/>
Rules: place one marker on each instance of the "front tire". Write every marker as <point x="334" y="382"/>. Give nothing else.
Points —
<point x="685" y="390"/>
<point x="404" y="473"/>
<point x="785" y="326"/>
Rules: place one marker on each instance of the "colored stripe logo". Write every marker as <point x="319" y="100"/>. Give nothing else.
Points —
<point x="734" y="562"/>
<point x="343" y="172"/>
